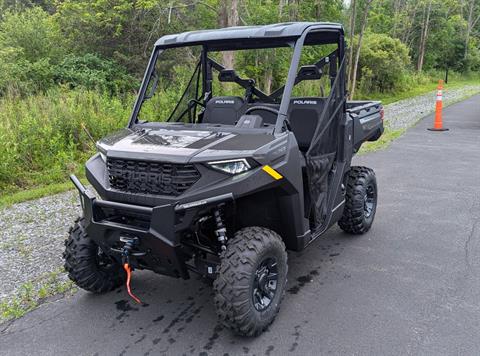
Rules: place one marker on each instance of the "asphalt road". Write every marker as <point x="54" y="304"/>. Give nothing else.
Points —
<point x="409" y="286"/>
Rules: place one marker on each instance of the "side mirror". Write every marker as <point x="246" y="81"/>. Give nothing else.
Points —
<point x="227" y="75"/>
<point x="310" y="72"/>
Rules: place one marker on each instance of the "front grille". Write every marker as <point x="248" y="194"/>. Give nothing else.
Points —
<point x="145" y="177"/>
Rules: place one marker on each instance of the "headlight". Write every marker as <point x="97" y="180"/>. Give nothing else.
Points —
<point x="233" y="166"/>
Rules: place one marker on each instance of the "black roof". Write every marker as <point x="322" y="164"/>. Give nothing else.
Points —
<point x="246" y="36"/>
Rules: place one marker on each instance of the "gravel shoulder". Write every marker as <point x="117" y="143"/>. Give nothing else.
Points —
<point x="32" y="238"/>
<point x="32" y="233"/>
<point x="405" y="113"/>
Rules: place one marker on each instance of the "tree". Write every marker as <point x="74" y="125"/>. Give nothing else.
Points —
<point x="427" y="9"/>
<point x="383" y="63"/>
<point x="359" y="45"/>
<point x="352" y="34"/>
<point x="473" y="16"/>
<point x="228" y="18"/>
<point x="31" y="44"/>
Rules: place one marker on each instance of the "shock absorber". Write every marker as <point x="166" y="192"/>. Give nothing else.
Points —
<point x="220" y="231"/>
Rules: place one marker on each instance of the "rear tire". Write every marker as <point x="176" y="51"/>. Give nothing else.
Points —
<point x="87" y="266"/>
<point x="360" y="201"/>
<point x="251" y="279"/>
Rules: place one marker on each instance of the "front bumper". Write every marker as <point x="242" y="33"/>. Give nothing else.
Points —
<point x="158" y="229"/>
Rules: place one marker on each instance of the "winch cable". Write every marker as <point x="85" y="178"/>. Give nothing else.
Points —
<point x="127" y="269"/>
<point x="126" y="251"/>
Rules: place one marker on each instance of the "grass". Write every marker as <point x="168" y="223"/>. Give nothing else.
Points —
<point x="420" y="89"/>
<point x="33" y="293"/>
<point x="45" y="137"/>
<point x="36" y="193"/>
<point x="383" y="142"/>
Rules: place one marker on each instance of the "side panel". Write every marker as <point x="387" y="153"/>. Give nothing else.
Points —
<point x="281" y="207"/>
<point x="367" y="122"/>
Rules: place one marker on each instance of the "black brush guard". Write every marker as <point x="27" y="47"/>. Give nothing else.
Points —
<point x="158" y="229"/>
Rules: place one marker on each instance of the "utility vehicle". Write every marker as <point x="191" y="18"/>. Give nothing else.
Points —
<point x="223" y="184"/>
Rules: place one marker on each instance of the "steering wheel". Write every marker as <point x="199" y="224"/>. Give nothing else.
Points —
<point x="264" y="108"/>
<point x="191" y="104"/>
<point x="196" y="102"/>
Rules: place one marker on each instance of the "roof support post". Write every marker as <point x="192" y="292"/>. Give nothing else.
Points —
<point x="143" y="87"/>
<point x="292" y="74"/>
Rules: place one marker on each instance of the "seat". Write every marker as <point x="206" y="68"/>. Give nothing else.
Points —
<point x="303" y="115"/>
<point x="225" y="110"/>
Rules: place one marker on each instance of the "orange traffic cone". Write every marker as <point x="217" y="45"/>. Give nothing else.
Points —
<point x="438" y="125"/>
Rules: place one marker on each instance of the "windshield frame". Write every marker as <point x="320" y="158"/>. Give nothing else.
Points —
<point x="297" y="45"/>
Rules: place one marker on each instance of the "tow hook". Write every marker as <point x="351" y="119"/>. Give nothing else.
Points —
<point x="126" y="251"/>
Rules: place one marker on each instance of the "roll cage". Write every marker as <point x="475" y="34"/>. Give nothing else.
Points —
<point x="294" y="35"/>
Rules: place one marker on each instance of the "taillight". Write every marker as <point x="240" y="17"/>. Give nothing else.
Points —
<point x="382" y="114"/>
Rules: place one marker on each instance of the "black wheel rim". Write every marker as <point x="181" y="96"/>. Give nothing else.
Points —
<point x="265" y="284"/>
<point x="104" y="262"/>
<point x="369" y="204"/>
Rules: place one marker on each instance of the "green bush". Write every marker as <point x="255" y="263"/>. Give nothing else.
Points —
<point x="33" y="58"/>
<point x="93" y="72"/>
<point x="35" y="32"/>
<point x="383" y="63"/>
<point x="31" y="44"/>
<point x="473" y="58"/>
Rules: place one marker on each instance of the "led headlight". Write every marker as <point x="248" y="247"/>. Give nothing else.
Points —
<point x="233" y="166"/>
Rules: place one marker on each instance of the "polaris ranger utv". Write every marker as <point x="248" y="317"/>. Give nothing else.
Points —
<point x="223" y="185"/>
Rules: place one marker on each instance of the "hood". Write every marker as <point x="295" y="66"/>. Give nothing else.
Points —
<point x="180" y="145"/>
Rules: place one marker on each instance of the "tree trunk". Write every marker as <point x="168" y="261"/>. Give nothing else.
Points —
<point x="424" y="36"/>
<point x="229" y="17"/>
<point x="352" y="34"/>
<point x="293" y="15"/>
<point x="359" y="46"/>
<point x="281" y="5"/>
<point x="408" y="28"/>
<point x="396" y="11"/>
<point x="268" y="73"/>
<point x="420" y="42"/>
<point x="268" y="81"/>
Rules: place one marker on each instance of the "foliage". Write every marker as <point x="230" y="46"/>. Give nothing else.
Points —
<point x="33" y="58"/>
<point x="36" y="193"/>
<point x="33" y="31"/>
<point x="30" y="44"/>
<point x="473" y="57"/>
<point x="383" y="63"/>
<point x="93" y="72"/>
<point x="383" y="142"/>
<point x="43" y="137"/>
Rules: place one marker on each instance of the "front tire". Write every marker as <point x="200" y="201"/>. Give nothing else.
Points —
<point x="251" y="280"/>
<point x="360" y="201"/>
<point x="87" y="266"/>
